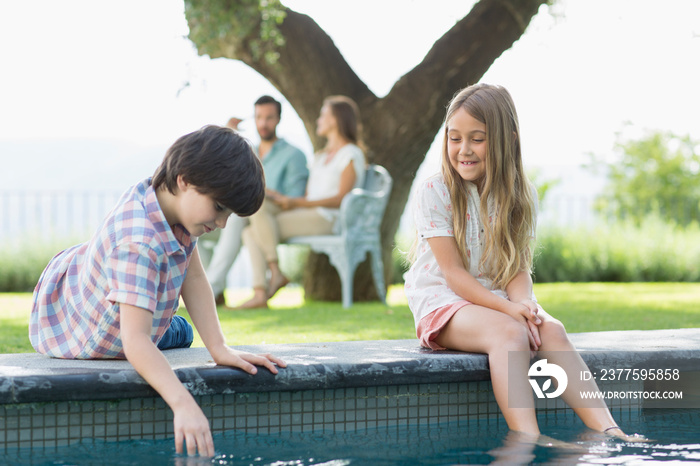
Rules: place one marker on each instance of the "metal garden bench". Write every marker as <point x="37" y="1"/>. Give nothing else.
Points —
<point x="361" y="213"/>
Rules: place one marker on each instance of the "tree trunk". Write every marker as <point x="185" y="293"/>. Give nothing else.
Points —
<point x="398" y="128"/>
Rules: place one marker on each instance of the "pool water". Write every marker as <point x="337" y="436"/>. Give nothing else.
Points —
<point x="674" y="434"/>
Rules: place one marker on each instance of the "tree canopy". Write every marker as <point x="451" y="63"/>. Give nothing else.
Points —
<point x="655" y="175"/>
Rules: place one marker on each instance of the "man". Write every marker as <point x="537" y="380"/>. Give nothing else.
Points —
<point x="285" y="172"/>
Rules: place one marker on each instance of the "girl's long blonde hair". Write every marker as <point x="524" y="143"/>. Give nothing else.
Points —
<point x="510" y="225"/>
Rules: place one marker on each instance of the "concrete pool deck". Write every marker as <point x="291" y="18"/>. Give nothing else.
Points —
<point x="34" y="378"/>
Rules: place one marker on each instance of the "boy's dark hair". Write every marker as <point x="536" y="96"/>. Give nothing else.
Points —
<point x="266" y="99"/>
<point x="219" y="163"/>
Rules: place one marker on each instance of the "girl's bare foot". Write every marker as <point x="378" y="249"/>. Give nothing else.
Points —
<point x="618" y="433"/>
<point x="547" y="441"/>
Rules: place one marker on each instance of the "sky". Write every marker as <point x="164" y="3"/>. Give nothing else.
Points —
<point x="92" y="92"/>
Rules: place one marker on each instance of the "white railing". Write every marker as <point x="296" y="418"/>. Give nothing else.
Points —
<point x="567" y="211"/>
<point x="50" y="215"/>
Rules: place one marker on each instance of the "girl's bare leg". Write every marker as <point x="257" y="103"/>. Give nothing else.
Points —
<point x="481" y="330"/>
<point x="558" y="349"/>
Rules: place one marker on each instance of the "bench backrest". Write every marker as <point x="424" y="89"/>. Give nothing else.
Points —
<point x="362" y="209"/>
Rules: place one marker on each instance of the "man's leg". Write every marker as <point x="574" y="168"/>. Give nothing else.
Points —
<point x="225" y="253"/>
<point x="206" y="244"/>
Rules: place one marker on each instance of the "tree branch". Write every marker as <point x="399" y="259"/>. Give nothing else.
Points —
<point x="309" y="67"/>
<point x="459" y="58"/>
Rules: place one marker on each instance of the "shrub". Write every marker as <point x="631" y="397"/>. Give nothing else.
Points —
<point x="292" y="261"/>
<point x="399" y="255"/>
<point x="621" y="252"/>
<point x="654" y="251"/>
<point x="22" y="263"/>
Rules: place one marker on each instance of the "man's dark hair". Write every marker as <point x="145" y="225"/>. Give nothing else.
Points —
<point x="266" y="99"/>
<point x="218" y="162"/>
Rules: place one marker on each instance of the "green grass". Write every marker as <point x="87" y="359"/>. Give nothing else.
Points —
<point x="583" y="307"/>
<point x="594" y="307"/>
<point x="292" y="320"/>
<point x="14" y="322"/>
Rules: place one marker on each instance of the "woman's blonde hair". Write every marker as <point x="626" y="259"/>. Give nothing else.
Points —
<point x="510" y="225"/>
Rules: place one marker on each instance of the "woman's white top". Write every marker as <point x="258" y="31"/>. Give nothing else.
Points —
<point x="324" y="176"/>
<point x="425" y="285"/>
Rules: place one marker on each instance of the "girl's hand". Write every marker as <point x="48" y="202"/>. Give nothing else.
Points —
<point x="534" y="309"/>
<point x="535" y="340"/>
<point x="524" y="314"/>
<point x="192" y="428"/>
<point x="532" y="324"/>
<point x="521" y="310"/>
<point x="248" y="361"/>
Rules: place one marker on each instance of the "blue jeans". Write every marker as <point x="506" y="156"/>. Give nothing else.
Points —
<point x="178" y="335"/>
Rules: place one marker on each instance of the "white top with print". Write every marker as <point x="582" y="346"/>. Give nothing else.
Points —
<point x="425" y="285"/>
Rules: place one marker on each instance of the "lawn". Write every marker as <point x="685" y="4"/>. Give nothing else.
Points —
<point x="583" y="307"/>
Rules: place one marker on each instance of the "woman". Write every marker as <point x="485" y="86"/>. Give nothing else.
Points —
<point x="336" y="170"/>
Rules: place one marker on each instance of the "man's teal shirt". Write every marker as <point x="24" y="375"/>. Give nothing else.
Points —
<point x="285" y="169"/>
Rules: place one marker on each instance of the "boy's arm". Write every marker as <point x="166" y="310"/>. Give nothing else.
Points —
<point x="199" y="300"/>
<point x="190" y="423"/>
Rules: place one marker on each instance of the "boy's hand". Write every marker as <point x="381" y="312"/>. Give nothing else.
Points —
<point x="192" y="428"/>
<point x="190" y="424"/>
<point x="247" y="361"/>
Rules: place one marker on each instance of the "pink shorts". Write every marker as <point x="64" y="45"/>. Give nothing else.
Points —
<point x="430" y="326"/>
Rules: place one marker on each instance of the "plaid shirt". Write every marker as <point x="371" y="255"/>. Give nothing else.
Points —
<point x="133" y="258"/>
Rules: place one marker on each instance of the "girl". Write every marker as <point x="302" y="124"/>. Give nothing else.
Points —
<point x="470" y="287"/>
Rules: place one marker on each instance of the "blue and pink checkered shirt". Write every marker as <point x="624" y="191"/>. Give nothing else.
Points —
<point x="134" y="258"/>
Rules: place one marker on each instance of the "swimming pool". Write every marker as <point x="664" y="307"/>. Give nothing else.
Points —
<point x="336" y="403"/>
<point x="675" y="438"/>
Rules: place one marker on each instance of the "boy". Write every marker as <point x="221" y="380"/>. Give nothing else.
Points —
<point x="116" y="295"/>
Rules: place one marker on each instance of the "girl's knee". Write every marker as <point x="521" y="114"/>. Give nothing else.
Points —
<point x="512" y="336"/>
<point x="553" y="332"/>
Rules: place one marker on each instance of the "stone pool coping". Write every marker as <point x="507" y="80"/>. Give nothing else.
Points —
<point x="34" y="378"/>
